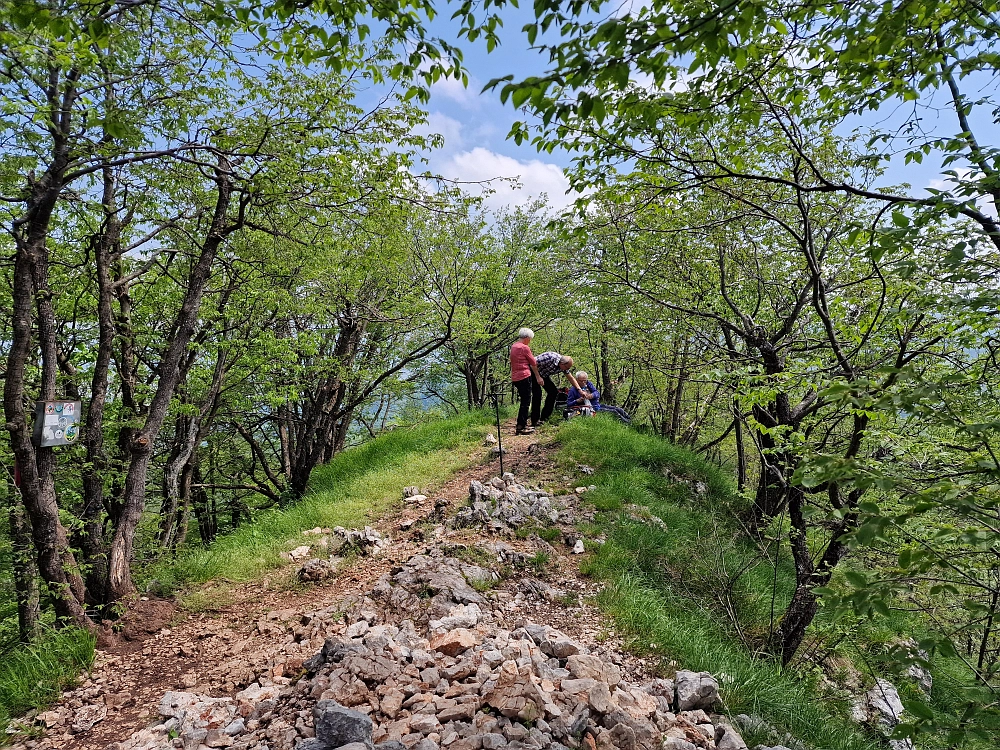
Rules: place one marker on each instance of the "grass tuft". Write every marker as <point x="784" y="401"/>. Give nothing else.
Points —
<point x="33" y="676"/>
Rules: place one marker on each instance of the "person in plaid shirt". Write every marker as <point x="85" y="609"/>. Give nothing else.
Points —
<point x="550" y="364"/>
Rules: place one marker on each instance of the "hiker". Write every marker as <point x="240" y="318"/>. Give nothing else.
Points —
<point x="550" y="364"/>
<point x="526" y="379"/>
<point x="586" y="395"/>
<point x="579" y="401"/>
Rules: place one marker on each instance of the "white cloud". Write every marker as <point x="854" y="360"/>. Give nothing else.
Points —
<point x="534" y="177"/>
<point x="447" y="127"/>
<point x="949" y="184"/>
<point x="452" y="88"/>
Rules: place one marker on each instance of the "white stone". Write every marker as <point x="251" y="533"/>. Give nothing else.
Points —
<point x="357" y="630"/>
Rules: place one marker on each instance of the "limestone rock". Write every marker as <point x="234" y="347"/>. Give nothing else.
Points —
<point x="86" y="716"/>
<point x="462" y="616"/>
<point x="454" y="641"/>
<point x="316" y="570"/>
<point x="593" y="667"/>
<point x="727" y="738"/>
<point x="337" y="726"/>
<point x="299" y="553"/>
<point x="514" y="695"/>
<point x="696" y="690"/>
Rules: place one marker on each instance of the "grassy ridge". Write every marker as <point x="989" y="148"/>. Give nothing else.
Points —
<point x="355" y="488"/>
<point x="672" y="584"/>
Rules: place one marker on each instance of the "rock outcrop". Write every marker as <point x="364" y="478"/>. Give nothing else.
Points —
<point x="504" y="503"/>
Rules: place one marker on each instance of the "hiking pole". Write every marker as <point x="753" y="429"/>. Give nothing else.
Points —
<point x="496" y="406"/>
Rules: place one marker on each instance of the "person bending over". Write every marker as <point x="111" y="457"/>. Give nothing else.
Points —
<point x="551" y="364"/>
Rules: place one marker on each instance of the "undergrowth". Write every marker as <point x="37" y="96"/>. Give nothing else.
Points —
<point x="33" y="676"/>
<point x="687" y="583"/>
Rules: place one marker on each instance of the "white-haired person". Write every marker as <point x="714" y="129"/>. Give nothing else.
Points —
<point x="526" y="379"/>
<point x="586" y="394"/>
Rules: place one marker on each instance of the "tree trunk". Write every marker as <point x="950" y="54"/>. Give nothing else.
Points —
<point x="607" y="382"/>
<point x="185" y="434"/>
<point x="184" y="517"/>
<point x="678" y="394"/>
<point x="808" y="576"/>
<point x="285" y="437"/>
<point x="988" y="628"/>
<point x="741" y="452"/>
<point x="324" y="407"/>
<point x="189" y="433"/>
<point x="475" y="370"/>
<point x="56" y="563"/>
<point x="140" y="444"/>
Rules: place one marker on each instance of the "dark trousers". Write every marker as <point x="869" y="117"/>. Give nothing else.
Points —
<point x="550" y="402"/>
<point x="530" y="395"/>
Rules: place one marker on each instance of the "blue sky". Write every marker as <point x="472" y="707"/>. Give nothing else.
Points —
<point x="475" y="125"/>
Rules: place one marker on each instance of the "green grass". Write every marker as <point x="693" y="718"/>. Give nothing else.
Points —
<point x="694" y="590"/>
<point x="355" y="488"/>
<point x="33" y="676"/>
<point x="679" y="588"/>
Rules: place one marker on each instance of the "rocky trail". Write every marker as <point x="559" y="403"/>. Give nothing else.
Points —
<point x="439" y="626"/>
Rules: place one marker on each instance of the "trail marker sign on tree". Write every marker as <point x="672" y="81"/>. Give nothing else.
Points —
<point x="56" y="423"/>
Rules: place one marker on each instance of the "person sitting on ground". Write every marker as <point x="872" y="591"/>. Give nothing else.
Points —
<point x="587" y="394"/>
<point x="549" y="364"/>
<point x="581" y="401"/>
<point x="524" y="375"/>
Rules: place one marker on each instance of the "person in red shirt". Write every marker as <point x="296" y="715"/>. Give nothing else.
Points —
<point x="524" y="375"/>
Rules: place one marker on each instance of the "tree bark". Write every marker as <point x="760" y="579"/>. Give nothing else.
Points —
<point x="808" y="576"/>
<point x="189" y="433"/>
<point x="607" y="382"/>
<point x="91" y="538"/>
<point x="56" y="563"/>
<point x="678" y="393"/>
<point x="741" y="451"/>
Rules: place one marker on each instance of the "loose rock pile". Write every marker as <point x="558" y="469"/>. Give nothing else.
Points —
<point x="336" y="542"/>
<point x="503" y="503"/>
<point x="427" y="661"/>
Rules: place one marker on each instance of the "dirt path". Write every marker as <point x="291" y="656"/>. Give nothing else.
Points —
<point x="226" y="647"/>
